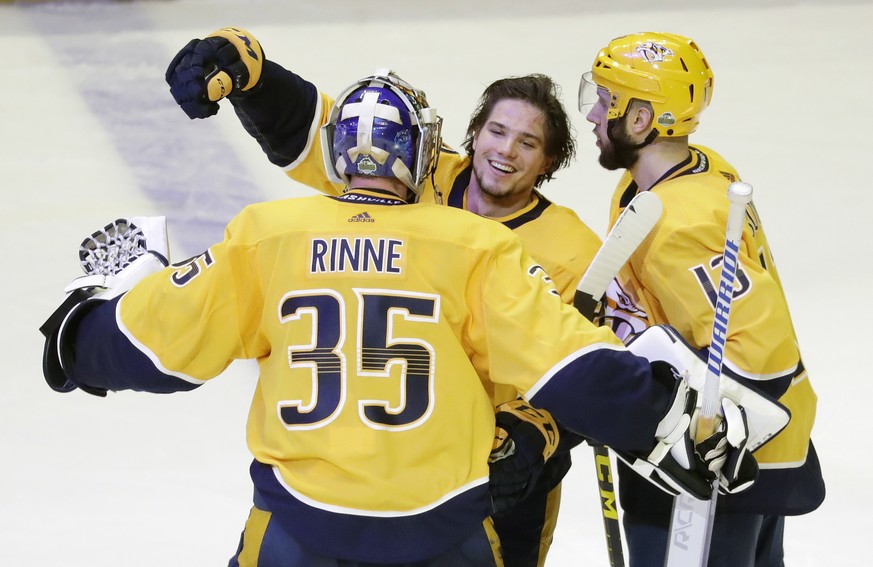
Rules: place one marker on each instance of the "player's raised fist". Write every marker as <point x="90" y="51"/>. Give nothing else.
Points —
<point x="207" y="70"/>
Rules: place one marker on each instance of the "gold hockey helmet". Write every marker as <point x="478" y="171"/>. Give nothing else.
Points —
<point x="665" y="69"/>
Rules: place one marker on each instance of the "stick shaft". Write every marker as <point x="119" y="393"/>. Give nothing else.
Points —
<point x="630" y="229"/>
<point x="692" y="519"/>
<point x="740" y="195"/>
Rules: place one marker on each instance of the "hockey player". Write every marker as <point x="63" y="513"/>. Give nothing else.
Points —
<point x="644" y="95"/>
<point x="517" y="138"/>
<point x="371" y="423"/>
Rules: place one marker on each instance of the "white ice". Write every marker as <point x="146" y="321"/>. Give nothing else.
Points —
<point x="90" y="132"/>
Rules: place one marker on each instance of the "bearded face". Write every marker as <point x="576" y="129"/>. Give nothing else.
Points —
<point x="617" y="149"/>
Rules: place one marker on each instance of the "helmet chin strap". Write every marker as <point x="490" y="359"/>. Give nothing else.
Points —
<point x="620" y="143"/>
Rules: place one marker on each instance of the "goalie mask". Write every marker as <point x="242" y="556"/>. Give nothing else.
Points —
<point x="667" y="70"/>
<point x="382" y="126"/>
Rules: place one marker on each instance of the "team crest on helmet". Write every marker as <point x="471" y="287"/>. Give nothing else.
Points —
<point x="667" y="119"/>
<point x="367" y="166"/>
<point x="653" y="52"/>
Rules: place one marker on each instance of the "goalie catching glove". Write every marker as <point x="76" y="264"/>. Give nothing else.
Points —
<point x="746" y="420"/>
<point x="207" y="70"/>
<point x="114" y="259"/>
<point x="524" y="440"/>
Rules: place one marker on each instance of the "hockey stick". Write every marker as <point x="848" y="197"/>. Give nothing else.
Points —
<point x="629" y="230"/>
<point x="692" y="519"/>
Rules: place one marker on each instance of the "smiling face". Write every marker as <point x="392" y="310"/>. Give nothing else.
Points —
<point x="509" y="152"/>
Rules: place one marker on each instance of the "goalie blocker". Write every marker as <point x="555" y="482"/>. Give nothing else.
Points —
<point x="673" y="463"/>
<point x="746" y="421"/>
<point x="114" y="259"/>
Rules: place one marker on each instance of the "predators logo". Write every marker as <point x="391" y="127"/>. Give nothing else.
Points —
<point x="653" y="52"/>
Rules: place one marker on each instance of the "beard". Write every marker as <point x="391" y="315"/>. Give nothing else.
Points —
<point x="483" y="186"/>
<point x="493" y="190"/>
<point x="619" y="151"/>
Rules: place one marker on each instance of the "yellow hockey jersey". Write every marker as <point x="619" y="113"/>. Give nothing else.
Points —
<point x="672" y="278"/>
<point x="376" y="327"/>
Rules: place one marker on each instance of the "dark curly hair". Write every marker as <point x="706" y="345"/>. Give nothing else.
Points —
<point x="543" y="93"/>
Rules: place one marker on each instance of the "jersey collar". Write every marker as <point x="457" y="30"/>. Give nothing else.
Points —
<point x="458" y="196"/>
<point x="370" y="196"/>
<point x="696" y="162"/>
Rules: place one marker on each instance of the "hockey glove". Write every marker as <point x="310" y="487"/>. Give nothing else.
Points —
<point x="114" y="260"/>
<point x="739" y="469"/>
<point x="524" y="440"/>
<point x="672" y="463"/>
<point x="207" y="70"/>
<point x="751" y="418"/>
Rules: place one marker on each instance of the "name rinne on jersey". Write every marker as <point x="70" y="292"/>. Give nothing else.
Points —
<point x="356" y="255"/>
